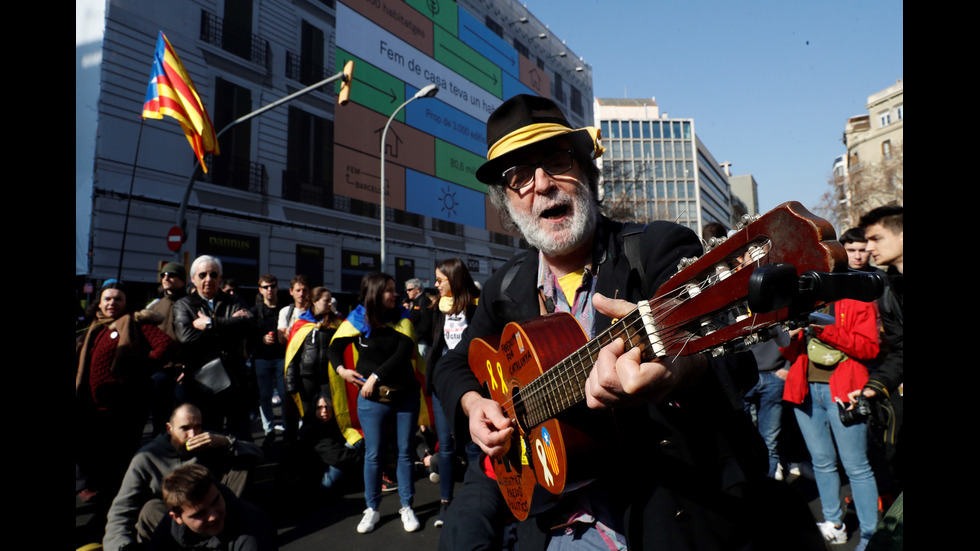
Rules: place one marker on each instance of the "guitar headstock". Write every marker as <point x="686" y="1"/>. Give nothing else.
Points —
<point x="705" y="306"/>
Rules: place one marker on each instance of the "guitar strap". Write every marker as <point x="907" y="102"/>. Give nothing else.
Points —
<point x="632" y="237"/>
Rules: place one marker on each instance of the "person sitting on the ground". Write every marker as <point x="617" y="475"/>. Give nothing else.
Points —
<point x="137" y="509"/>
<point x="323" y="458"/>
<point x="207" y="515"/>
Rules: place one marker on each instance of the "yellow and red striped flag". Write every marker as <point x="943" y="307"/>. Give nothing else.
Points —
<point x="172" y="93"/>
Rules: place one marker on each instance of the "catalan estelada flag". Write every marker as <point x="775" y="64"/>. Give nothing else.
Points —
<point x="172" y="93"/>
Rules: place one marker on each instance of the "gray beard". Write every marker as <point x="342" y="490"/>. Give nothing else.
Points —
<point x="566" y="237"/>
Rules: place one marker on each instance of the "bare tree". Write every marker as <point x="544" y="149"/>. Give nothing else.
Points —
<point x="865" y="187"/>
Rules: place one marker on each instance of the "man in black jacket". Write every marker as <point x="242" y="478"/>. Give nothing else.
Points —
<point x="690" y="470"/>
<point x="213" y="327"/>
<point x="268" y="354"/>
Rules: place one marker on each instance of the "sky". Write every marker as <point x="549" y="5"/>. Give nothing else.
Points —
<point x="770" y="84"/>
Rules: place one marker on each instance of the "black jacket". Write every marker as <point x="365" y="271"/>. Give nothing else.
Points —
<point x="225" y="338"/>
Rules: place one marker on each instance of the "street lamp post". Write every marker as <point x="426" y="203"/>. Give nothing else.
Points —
<point x="427" y="92"/>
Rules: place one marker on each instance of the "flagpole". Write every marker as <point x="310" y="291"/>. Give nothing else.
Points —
<point x="346" y="74"/>
<point x="129" y="201"/>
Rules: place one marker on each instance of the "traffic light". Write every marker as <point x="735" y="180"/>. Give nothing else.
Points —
<point x="344" y="95"/>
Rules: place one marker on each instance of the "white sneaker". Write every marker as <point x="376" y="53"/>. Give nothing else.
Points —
<point x="833" y="535"/>
<point x="409" y="521"/>
<point x="779" y="471"/>
<point x="370" y="518"/>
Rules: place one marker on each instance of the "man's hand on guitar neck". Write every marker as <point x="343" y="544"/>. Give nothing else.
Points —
<point x="619" y="378"/>
<point x="489" y="427"/>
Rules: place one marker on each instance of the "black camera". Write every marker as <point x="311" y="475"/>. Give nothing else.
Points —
<point x="861" y="412"/>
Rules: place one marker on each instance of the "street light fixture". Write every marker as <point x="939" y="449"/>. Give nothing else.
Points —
<point x="427" y="92"/>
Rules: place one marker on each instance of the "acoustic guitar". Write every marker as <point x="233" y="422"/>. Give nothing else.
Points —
<point x="776" y="269"/>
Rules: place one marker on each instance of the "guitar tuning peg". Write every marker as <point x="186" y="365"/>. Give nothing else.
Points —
<point x="714" y="242"/>
<point x="757" y="252"/>
<point x="685" y="262"/>
<point x="707" y="327"/>
<point x="693" y="289"/>
<point x="746" y="219"/>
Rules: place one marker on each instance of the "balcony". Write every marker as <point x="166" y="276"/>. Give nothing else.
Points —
<point x="237" y="173"/>
<point x="298" y="69"/>
<point x="235" y="40"/>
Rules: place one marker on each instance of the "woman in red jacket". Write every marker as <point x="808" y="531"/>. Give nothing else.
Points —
<point x="826" y="366"/>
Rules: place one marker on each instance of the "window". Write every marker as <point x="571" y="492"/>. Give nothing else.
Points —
<point x="495" y="27"/>
<point x="522" y="49"/>
<point x="559" y="92"/>
<point x="899" y="110"/>
<point x="885" y="118"/>
<point x="886" y="149"/>
<point x="311" y="60"/>
<point x="309" y="159"/>
<point x="237" y="36"/>
<point x="232" y="167"/>
<point x="577" y="102"/>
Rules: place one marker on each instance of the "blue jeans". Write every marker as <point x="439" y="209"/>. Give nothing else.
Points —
<point x="447" y="449"/>
<point x="820" y="424"/>
<point x="269" y="375"/>
<point x="333" y="476"/>
<point x="404" y="418"/>
<point x="767" y="398"/>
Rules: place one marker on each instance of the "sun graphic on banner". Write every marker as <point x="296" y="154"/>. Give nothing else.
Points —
<point x="449" y="201"/>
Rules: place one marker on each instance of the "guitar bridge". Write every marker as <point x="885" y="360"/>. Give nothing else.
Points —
<point x="652" y="345"/>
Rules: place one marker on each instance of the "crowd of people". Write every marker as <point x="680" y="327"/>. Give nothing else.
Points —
<point x="690" y="471"/>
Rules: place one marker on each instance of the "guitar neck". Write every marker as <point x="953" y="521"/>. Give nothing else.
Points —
<point x="563" y="386"/>
<point x="704" y="307"/>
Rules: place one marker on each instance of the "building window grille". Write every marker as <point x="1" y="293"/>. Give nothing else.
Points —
<point x="235" y="40"/>
<point x="443" y="226"/>
<point x="238" y="173"/>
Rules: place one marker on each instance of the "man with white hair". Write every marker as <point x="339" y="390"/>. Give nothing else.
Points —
<point x="213" y="326"/>
<point x="689" y="470"/>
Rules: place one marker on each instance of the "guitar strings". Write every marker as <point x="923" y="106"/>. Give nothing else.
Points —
<point x="539" y="389"/>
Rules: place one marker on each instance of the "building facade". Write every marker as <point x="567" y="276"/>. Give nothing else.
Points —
<point x="872" y="173"/>
<point x="656" y="167"/>
<point x="297" y="189"/>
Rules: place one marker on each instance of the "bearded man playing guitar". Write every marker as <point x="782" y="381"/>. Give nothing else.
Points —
<point x="680" y="467"/>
